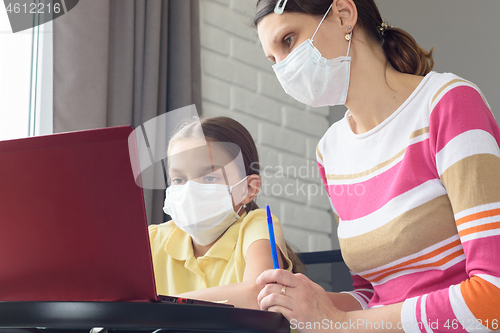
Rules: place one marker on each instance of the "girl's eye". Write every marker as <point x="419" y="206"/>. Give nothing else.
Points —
<point x="210" y="179"/>
<point x="177" y="181"/>
<point x="288" y="41"/>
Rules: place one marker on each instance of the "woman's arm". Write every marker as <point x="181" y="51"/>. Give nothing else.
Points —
<point x="242" y="294"/>
<point x="344" y="301"/>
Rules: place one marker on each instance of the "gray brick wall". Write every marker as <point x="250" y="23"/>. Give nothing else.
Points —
<point x="238" y="82"/>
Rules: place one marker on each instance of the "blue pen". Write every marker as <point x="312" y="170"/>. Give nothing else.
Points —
<point x="271" y="238"/>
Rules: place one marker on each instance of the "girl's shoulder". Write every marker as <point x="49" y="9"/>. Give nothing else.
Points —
<point x="254" y="226"/>
<point x="161" y="231"/>
<point x="257" y="217"/>
<point x="256" y="214"/>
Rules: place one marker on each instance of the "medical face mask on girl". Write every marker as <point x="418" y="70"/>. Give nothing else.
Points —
<point x="204" y="211"/>
<point x="311" y="79"/>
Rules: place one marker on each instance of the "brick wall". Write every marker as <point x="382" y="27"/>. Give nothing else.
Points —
<point x="238" y="82"/>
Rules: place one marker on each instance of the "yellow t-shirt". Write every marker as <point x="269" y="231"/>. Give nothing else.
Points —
<point x="178" y="271"/>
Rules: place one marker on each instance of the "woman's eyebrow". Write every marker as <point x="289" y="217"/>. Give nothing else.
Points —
<point x="277" y="40"/>
<point x="278" y="34"/>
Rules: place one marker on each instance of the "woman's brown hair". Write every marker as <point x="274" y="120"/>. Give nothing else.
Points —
<point x="400" y="48"/>
<point x="224" y="129"/>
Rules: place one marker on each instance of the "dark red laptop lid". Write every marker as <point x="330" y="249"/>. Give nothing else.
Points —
<point x="72" y="220"/>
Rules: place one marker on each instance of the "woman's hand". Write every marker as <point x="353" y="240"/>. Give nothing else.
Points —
<point x="299" y="299"/>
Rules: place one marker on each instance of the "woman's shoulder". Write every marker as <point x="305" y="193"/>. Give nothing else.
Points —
<point x="449" y="84"/>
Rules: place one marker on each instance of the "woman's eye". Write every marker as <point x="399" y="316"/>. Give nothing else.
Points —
<point x="288" y="41"/>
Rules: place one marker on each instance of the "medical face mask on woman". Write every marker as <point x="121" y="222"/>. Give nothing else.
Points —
<point x="204" y="211"/>
<point x="311" y="79"/>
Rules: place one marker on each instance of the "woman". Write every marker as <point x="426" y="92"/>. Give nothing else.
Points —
<point x="420" y="152"/>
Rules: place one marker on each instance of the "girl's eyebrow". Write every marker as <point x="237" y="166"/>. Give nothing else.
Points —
<point x="208" y="169"/>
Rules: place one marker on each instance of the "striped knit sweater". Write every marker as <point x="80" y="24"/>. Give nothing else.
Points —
<point x="418" y="202"/>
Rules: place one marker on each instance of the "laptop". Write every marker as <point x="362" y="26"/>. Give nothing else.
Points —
<point x="72" y="220"/>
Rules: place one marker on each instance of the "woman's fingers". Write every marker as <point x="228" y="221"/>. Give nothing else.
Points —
<point x="283" y="283"/>
<point x="279" y="276"/>
<point x="274" y="288"/>
<point x="287" y="313"/>
<point x="269" y="300"/>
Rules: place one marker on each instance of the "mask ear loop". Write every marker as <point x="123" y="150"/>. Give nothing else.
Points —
<point x="320" y="23"/>
<point x="349" y="46"/>
<point x="229" y="187"/>
<point x="242" y="206"/>
<point x="231" y="192"/>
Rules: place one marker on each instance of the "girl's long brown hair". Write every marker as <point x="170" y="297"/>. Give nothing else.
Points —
<point x="400" y="48"/>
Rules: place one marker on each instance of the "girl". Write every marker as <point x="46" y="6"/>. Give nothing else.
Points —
<point x="217" y="243"/>
<point x="422" y="150"/>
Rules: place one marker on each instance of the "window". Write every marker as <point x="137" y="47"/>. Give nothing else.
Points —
<point x="25" y="80"/>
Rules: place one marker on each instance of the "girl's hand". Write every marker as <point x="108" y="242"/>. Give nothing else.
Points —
<point x="299" y="299"/>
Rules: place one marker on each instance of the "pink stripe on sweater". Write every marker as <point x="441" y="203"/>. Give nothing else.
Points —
<point x="359" y="283"/>
<point x="360" y="199"/>
<point x="418" y="315"/>
<point x="321" y="169"/>
<point x="416" y="284"/>
<point x="459" y="110"/>
<point x="480" y="258"/>
<point x="440" y="314"/>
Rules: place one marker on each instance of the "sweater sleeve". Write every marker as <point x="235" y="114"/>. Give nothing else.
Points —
<point x="363" y="290"/>
<point x="464" y="140"/>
